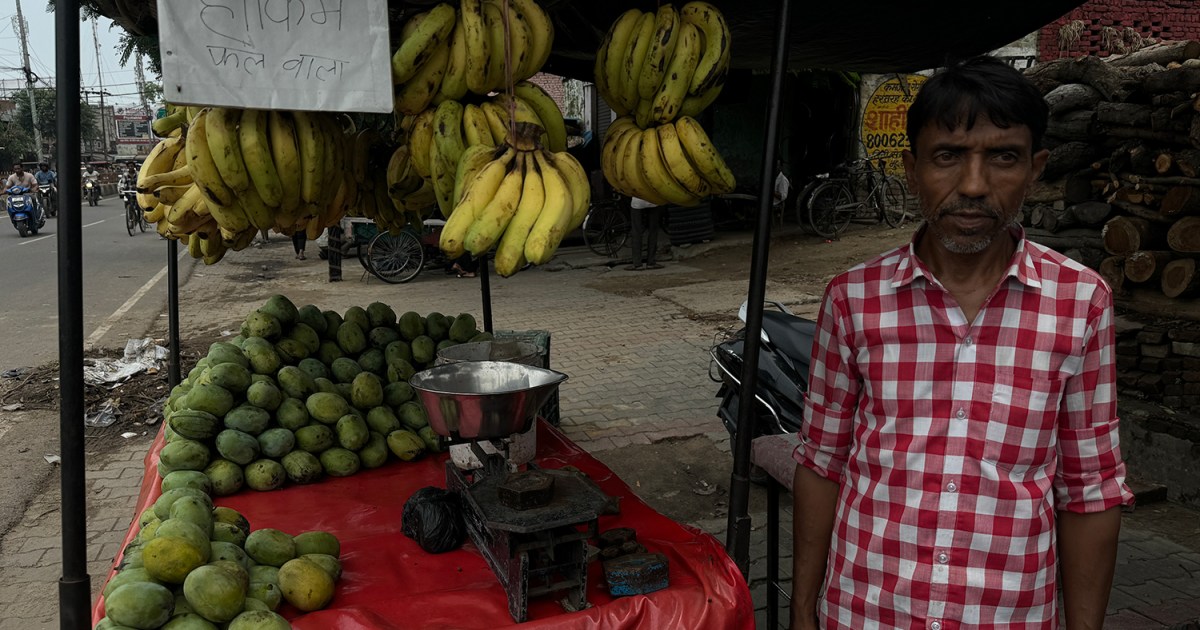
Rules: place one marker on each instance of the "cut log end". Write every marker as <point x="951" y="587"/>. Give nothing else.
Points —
<point x="1179" y="278"/>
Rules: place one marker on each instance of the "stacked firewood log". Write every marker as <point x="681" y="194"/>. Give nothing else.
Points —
<point x="1121" y="190"/>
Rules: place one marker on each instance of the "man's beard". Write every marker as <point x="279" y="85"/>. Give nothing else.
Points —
<point x="979" y="241"/>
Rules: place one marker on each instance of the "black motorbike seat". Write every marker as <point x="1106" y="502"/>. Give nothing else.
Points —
<point x="792" y="335"/>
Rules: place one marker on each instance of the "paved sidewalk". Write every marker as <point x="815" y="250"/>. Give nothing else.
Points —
<point x="639" y="376"/>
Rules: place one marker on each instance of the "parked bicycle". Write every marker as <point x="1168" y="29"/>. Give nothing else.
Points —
<point x="606" y="226"/>
<point x="836" y="202"/>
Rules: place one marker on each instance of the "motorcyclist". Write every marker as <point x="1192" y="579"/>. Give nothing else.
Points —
<point x="20" y="177"/>
<point x="92" y="175"/>
<point x="47" y="179"/>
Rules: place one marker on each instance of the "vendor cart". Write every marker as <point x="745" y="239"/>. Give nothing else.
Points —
<point x="393" y="258"/>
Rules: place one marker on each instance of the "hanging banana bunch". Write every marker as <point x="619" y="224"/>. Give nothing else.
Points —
<point x="517" y="197"/>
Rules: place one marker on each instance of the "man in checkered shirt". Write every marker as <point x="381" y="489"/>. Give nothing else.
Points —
<point x="959" y="446"/>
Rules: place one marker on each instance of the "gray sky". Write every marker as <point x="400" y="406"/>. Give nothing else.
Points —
<point x="118" y="81"/>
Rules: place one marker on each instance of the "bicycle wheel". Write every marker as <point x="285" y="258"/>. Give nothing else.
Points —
<point x="395" y="259"/>
<point x="830" y="209"/>
<point x="894" y="201"/>
<point x="605" y="230"/>
<point x="130" y="219"/>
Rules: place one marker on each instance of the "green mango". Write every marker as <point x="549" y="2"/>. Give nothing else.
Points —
<point x="412" y="415"/>
<point x="276" y="442"/>
<point x="314" y="438"/>
<point x="398" y="351"/>
<point x="215" y="593"/>
<point x="292" y="414"/>
<point x="351" y="338"/>
<point x="329" y="352"/>
<point x="424" y="350"/>
<point x="463" y="328"/>
<point x="187" y="479"/>
<point x="345" y="369"/>
<point x="260" y="324"/>
<point x="302" y="467"/>
<point x="405" y="445"/>
<point x="225" y="532"/>
<point x="183" y="454"/>
<point x="139" y="605"/>
<point x="437" y="326"/>
<point x="237" y="447"/>
<point x="352" y="432"/>
<point x="229" y="552"/>
<point x="366" y="392"/>
<point x="221" y="352"/>
<point x="259" y="619"/>
<point x="291" y="351"/>
<point x="296" y="383"/>
<point x="194" y="424"/>
<point x="326" y="408"/>
<point x="311" y="316"/>
<point x="314" y="368"/>
<point x="193" y="510"/>
<point x="382" y="336"/>
<point x="226" y="477"/>
<point x="248" y="419"/>
<point x="375" y="453"/>
<point x="281" y="309"/>
<point x="358" y="315"/>
<point x="307" y="336"/>
<point x="372" y="361"/>
<point x="270" y="546"/>
<point x="264" y="395"/>
<point x="264" y="358"/>
<point x="128" y="576"/>
<point x="396" y="394"/>
<point x="433" y="441"/>
<point x="381" y="314"/>
<point x="231" y="376"/>
<point x="410" y="326"/>
<point x="264" y="475"/>
<point x="400" y="371"/>
<point x="325" y="385"/>
<point x="381" y="419"/>
<point x="229" y="515"/>
<point x="211" y="398"/>
<point x="333" y="320"/>
<point x="339" y="462"/>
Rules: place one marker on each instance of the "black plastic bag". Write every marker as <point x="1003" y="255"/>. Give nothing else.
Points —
<point x="433" y="517"/>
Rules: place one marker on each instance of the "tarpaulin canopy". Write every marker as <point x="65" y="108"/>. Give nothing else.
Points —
<point x="853" y="35"/>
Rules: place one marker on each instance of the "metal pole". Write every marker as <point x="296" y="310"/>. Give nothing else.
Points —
<point x="23" y="31"/>
<point x="74" y="587"/>
<point x="173" y="373"/>
<point x="485" y="289"/>
<point x="737" y="540"/>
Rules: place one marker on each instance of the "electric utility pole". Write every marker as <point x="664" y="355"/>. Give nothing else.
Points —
<point x="100" y="78"/>
<point x="23" y="31"/>
<point x="140" y="77"/>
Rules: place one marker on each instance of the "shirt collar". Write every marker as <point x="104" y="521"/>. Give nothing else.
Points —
<point x="1020" y="266"/>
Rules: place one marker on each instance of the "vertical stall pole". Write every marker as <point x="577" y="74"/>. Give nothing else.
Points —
<point x="173" y="371"/>
<point x="485" y="288"/>
<point x="737" y="537"/>
<point x="74" y="586"/>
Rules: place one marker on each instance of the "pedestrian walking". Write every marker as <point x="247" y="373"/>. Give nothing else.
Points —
<point x="959" y="449"/>
<point x="299" y="240"/>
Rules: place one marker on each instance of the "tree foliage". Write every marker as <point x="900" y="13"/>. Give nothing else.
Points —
<point x="89" y="124"/>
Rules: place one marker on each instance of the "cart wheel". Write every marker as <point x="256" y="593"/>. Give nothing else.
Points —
<point x="830" y="209"/>
<point x="605" y="229"/>
<point x="395" y="259"/>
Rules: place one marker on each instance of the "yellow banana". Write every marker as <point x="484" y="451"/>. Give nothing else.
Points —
<point x="481" y="189"/>
<point x="363" y="141"/>
<point x="632" y="172"/>
<point x="714" y="60"/>
<point x="163" y="127"/>
<point x="310" y="141"/>
<point x="256" y="153"/>
<point x="703" y="154"/>
<point x="552" y="222"/>
<point x="200" y="161"/>
<point x="577" y="182"/>
<point x="260" y="215"/>
<point x="475" y="127"/>
<point x="214" y="249"/>
<point x="520" y="41"/>
<point x="178" y="177"/>
<point x="658" y="176"/>
<point x="490" y="222"/>
<point x="622" y="31"/>
<point x="609" y="153"/>
<point x="669" y="97"/>
<point x="448" y="130"/>
<point x="285" y="154"/>
<point x="541" y="33"/>
<point x="155" y="214"/>
<point x="421" y="46"/>
<point x="397" y="167"/>
<point x="161" y="160"/>
<point x="473" y="160"/>
<point x="420" y="142"/>
<point x="694" y="105"/>
<point x="243" y="239"/>
<point x="497" y="120"/>
<point x="415" y="94"/>
<point x="454" y="83"/>
<point x="193" y="245"/>
<point x="524" y="113"/>
<point x="479" y="45"/>
<point x="443" y="182"/>
<point x="662" y="49"/>
<point x="222" y="134"/>
<point x="635" y="59"/>
<point x="598" y="70"/>
<point x="547" y="112"/>
<point x="493" y="18"/>
<point x="511" y="249"/>
<point x="421" y="200"/>
<point x="677" y="163"/>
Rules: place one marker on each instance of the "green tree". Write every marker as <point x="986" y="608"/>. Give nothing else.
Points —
<point x="16" y="145"/>
<point x="46" y="98"/>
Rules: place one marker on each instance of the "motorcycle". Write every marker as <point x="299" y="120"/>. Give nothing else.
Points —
<point x="91" y="190"/>
<point x="784" y="356"/>
<point x="48" y="199"/>
<point x="25" y="214"/>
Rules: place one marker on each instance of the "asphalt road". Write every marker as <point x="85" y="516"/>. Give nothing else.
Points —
<point x="119" y="298"/>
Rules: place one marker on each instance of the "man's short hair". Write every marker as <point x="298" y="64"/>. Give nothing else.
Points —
<point x="958" y="95"/>
<point x="17" y="165"/>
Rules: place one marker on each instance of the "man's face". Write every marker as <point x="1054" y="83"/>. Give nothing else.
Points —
<point x="44" y="168"/>
<point x="18" y="169"/>
<point x="971" y="183"/>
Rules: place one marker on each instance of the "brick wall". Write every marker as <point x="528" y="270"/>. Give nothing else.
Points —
<point x="1159" y="361"/>
<point x="1120" y="21"/>
<point x="553" y="84"/>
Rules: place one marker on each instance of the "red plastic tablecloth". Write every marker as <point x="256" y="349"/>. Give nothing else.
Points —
<point x="389" y="583"/>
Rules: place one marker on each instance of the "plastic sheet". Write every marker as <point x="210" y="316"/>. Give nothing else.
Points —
<point x="389" y="583"/>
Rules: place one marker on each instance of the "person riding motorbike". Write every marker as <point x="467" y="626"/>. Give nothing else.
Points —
<point x="20" y="177"/>
<point x="93" y="176"/>
<point x="47" y="181"/>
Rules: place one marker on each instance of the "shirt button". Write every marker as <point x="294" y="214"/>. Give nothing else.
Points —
<point x="942" y="558"/>
<point x="935" y="625"/>
<point x="968" y="341"/>
<point x="951" y="487"/>
<point x="961" y="414"/>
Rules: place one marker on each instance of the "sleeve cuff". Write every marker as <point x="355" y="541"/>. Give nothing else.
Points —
<point x="821" y="462"/>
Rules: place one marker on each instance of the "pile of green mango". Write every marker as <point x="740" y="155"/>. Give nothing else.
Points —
<point x="196" y="567"/>
<point x="302" y="393"/>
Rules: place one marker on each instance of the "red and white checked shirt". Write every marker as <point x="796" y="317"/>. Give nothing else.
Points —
<point x="955" y="442"/>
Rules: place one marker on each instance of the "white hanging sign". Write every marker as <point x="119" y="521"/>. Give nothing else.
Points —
<point x="330" y="55"/>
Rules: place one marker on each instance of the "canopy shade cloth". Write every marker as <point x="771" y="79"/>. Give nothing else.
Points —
<point x="852" y="35"/>
<point x="389" y="583"/>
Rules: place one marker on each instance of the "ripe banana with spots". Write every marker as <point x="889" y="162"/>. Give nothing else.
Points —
<point x="664" y="64"/>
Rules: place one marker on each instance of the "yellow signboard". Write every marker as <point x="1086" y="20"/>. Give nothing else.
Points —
<point x="884" y="117"/>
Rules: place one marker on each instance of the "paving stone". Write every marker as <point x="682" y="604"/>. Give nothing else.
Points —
<point x="1129" y="620"/>
<point x="1154" y="593"/>
<point x="1172" y="612"/>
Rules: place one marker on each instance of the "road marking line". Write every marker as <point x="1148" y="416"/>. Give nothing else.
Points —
<point x="42" y="238"/>
<point x="99" y="333"/>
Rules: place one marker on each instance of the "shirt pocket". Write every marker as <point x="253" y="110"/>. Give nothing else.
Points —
<point x="1021" y="429"/>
